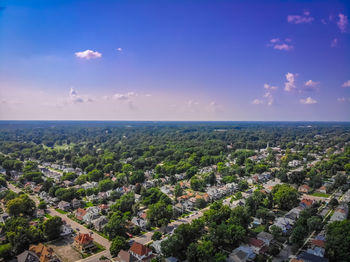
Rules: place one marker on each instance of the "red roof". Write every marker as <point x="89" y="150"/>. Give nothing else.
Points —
<point x="80" y="213"/>
<point x="139" y="249"/>
<point x="307" y="202"/>
<point x="83" y="239"/>
<point x="318" y="242"/>
<point x="255" y="242"/>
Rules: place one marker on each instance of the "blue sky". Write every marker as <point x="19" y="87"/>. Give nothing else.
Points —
<point x="175" y="60"/>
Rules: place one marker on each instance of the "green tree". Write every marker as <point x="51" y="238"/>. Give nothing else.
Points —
<point x="285" y="196"/>
<point x="42" y="205"/>
<point x="21" y="205"/>
<point x="115" y="226"/>
<point x="52" y="227"/>
<point x="159" y="214"/>
<point x="338" y="241"/>
<point x="118" y="243"/>
<point x="95" y="175"/>
<point x="156" y="235"/>
<point x="178" y="190"/>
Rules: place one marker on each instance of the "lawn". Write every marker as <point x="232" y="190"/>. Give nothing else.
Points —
<point x="61" y="211"/>
<point x="88" y="204"/>
<point x="318" y="194"/>
<point x="258" y="229"/>
<point x="48" y="216"/>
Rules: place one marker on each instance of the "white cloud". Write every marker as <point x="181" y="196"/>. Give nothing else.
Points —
<point x="343" y="23"/>
<point x="73" y="95"/>
<point x="269" y="98"/>
<point x="119" y="49"/>
<point x="346" y="84"/>
<point x="257" y="102"/>
<point x="343" y="99"/>
<point x="268" y="87"/>
<point x="300" y="19"/>
<point x="290" y="84"/>
<point x="279" y="44"/>
<point x="334" y="42"/>
<point x="88" y="54"/>
<point x="308" y="101"/>
<point x="311" y="85"/>
<point x="76" y="99"/>
<point x="125" y="96"/>
<point x="283" y="46"/>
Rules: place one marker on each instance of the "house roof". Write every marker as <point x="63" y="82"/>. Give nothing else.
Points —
<point x="255" y="242"/>
<point x="27" y="256"/>
<point x="80" y="213"/>
<point x="125" y="256"/>
<point x="44" y="253"/>
<point x="311" y="258"/>
<point x="318" y="242"/>
<point x="83" y="239"/>
<point x="265" y="235"/>
<point x="139" y="249"/>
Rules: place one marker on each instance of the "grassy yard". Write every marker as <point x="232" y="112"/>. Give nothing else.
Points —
<point x="61" y="211"/>
<point x="88" y="204"/>
<point x="318" y="194"/>
<point x="48" y="216"/>
<point x="258" y="229"/>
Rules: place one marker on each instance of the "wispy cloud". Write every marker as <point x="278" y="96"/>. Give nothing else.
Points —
<point x="267" y="97"/>
<point x="290" y="84"/>
<point x="76" y="99"/>
<point x="269" y="87"/>
<point x="257" y="102"/>
<point x="119" y="49"/>
<point x="343" y="23"/>
<point x="346" y="84"/>
<point x="300" y="19"/>
<point x="308" y="101"/>
<point x="279" y="44"/>
<point x="125" y="96"/>
<point x="334" y="42"/>
<point x="311" y="85"/>
<point x="343" y="99"/>
<point x="88" y="54"/>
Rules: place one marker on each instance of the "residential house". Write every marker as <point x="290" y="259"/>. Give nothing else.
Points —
<point x="39" y="253"/>
<point x="317" y="251"/>
<point x="304" y="189"/>
<point x="306" y="203"/>
<point x="99" y="223"/>
<point x="256" y="244"/>
<point x="265" y="237"/>
<point x="241" y="254"/>
<point x="285" y="224"/>
<point x="75" y="203"/>
<point x="66" y="230"/>
<point x="84" y="242"/>
<point x="125" y="256"/>
<point x="340" y="214"/>
<point x="141" y="252"/>
<point x="91" y="214"/>
<point x="139" y="222"/>
<point x="63" y="205"/>
<point x="307" y="257"/>
<point x="80" y="213"/>
<point x="322" y="189"/>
